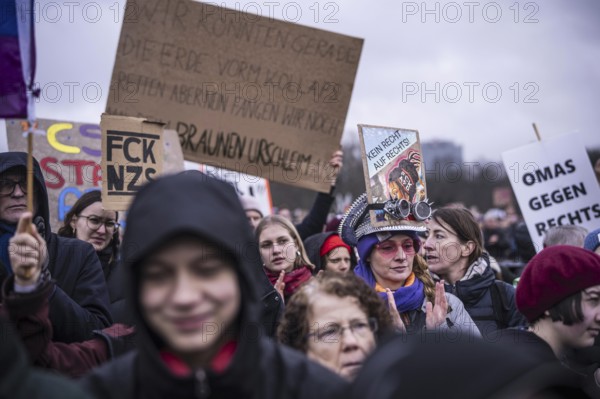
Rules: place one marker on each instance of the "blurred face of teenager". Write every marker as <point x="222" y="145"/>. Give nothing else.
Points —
<point x="392" y="261"/>
<point x="338" y="260"/>
<point x="341" y="336"/>
<point x="442" y="249"/>
<point x="14" y="204"/>
<point x="189" y="295"/>
<point x="583" y="334"/>
<point x="91" y="225"/>
<point x="277" y="248"/>
<point x="254" y="218"/>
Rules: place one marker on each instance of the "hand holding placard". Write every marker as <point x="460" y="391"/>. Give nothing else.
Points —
<point x="27" y="251"/>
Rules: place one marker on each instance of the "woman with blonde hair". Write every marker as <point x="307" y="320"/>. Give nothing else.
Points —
<point x="284" y="258"/>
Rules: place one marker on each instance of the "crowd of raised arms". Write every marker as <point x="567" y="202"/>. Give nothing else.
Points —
<point x="204" y="296"/>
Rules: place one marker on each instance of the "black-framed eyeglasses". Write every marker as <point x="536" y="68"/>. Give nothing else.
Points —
<point x="333" y="332"/>
<point x="94" y="222"/>
<point x="7" y="186"/>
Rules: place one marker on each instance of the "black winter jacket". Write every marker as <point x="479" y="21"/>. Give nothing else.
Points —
<point x="79" y="304"/>
<point x="114" y="284"/>
<point x="205" y="207"/>
<point x="317" y="217"/>
<point x="476" y="294"/>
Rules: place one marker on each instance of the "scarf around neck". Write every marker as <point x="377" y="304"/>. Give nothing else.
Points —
<point x="293" y="280"/>
<point x="409" y="297"/>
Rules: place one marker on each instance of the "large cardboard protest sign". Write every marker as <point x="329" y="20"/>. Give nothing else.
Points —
<point x="69" y="154"/>
<point x="555" y="185"/>
<point x="393" y="169"/>
<point x="246" y="186"/>
<point x="244" y="92"/>
<point x="132" y="156"/>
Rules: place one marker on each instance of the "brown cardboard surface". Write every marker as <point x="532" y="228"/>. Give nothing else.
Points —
<point x="244" y="92"/>
<point x="69" y="156"/>
<point x="132" y="154"/>
<point x="393" y="169"/>
<point x="172" y="153"/>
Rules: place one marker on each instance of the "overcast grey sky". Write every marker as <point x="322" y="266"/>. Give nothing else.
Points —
<point x="543" y="56"/>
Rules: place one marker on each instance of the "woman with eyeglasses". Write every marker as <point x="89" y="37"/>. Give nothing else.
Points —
<point x="90" y="222"/>
<point x="336" y="320"/>
<point x="390" y="264"/>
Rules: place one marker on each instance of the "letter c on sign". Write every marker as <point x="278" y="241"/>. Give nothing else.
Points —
<point x="51" y="136"/>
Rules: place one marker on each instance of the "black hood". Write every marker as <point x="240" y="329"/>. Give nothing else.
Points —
<point x="313" y="246"/>
<point x="199" y="205"/>
<point x="9" y="160"/>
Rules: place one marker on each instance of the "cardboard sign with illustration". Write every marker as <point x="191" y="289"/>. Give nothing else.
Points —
<point x="132" y="154"/>
<point x="555" y="185"/>
<point x="244" y="92"/>
<point x="394" y="175"/>
<point x="68" y="154"/>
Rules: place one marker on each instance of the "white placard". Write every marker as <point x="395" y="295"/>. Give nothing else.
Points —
<point x="555" y="185"/>
<point x="245" y="185"/>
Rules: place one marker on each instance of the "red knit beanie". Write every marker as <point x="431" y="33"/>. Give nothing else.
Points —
<point x="555" y="274"/>
<point x="331" y="242"/>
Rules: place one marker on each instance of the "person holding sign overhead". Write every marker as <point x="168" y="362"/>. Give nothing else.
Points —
<point x="317" y="217"/>
<point x="79" y="302"/>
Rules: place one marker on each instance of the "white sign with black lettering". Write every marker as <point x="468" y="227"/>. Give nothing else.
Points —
<point x="555" y="185"/>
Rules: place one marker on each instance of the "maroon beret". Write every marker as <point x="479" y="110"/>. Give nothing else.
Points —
<point x="555" y="274"/>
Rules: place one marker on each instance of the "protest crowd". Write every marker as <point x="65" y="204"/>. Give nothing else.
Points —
<point x="197" y="301"/>
<point x="156" y="283"/>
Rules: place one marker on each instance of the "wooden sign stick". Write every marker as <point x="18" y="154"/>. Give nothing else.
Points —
<point x="30" y="172"/>
<point x="537" y="133"/>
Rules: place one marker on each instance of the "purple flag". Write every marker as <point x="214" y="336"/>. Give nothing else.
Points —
<point x="17" y="58"/>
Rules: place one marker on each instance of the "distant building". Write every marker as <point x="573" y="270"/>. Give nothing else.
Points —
<point x="441" y="152"/>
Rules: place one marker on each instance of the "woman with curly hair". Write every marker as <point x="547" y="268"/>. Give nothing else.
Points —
<point x="337" y="320"/>
<point x="390" y="264"/>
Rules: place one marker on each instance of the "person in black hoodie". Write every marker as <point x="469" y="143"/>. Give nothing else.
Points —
<point x="79" y="302"/>
<point x="88" y="221"/>
<point x="455" y="254"/>
<point x="191" y="266"/>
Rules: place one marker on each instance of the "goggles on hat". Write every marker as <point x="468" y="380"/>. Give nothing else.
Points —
<point x="402" y="209"/>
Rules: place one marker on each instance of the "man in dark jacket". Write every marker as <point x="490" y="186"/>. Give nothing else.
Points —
<point x="79" y="302"/>
<point x="186" y="235"/>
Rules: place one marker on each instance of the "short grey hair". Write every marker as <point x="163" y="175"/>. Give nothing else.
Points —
<point x="565" y="235"/>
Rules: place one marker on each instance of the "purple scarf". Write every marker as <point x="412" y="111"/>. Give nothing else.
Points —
<point x="407" y="298"/>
